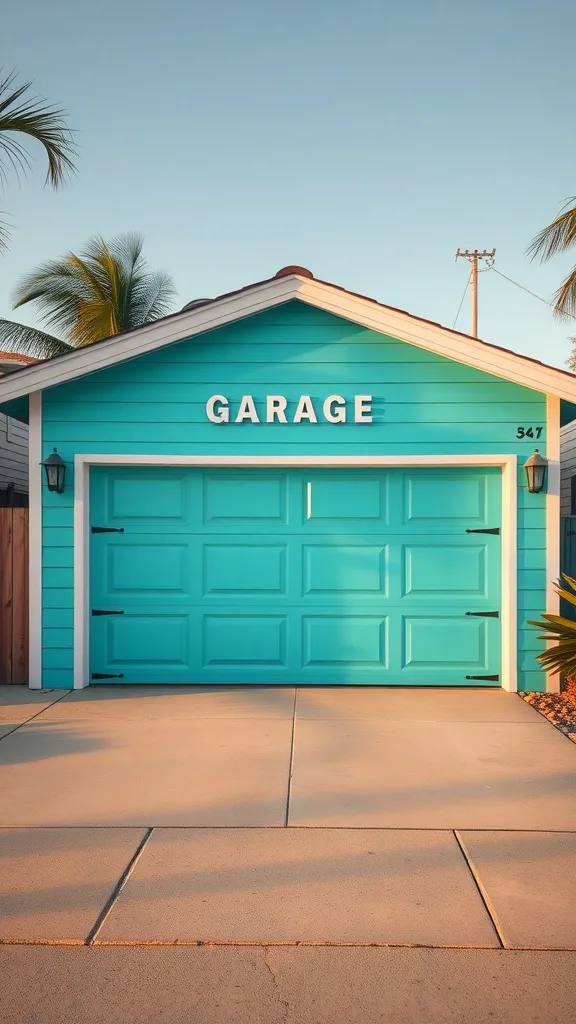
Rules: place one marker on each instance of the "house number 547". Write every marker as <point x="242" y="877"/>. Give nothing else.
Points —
<point x="528" y="432"/>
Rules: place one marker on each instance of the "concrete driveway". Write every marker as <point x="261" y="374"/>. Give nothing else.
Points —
<point x="270" y="818"/>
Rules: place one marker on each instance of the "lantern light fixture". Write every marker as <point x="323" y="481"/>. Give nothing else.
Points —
<point x="55" y="469"/>
<point x="535" y="468"/>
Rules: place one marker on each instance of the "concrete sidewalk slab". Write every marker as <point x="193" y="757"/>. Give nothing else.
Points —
<point x="55" y="882"/>
<point x="131" y="703"/>
<point x="300" y="885"/>
<point x="239" y="985"/>
<point x="423" y="986"/>
<point x="433" y="775"/>
<point x="417" y="704"/>
<point x="140" y="773"/>
<point x="19" y="704"/>
<point x="529" y="881"/>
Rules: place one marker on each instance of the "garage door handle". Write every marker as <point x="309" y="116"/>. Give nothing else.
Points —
<point x="485" y="615"/>
<point x="488" y="679"/>
<point x="107" y="529"/>
<point x="104" y="611"/>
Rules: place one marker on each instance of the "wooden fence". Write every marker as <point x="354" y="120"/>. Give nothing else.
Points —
<point x="13" y="595"/>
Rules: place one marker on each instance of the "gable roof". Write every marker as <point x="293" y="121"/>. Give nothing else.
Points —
<point x="289" y="284"/>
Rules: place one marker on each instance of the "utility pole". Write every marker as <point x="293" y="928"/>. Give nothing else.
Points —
<point x="473" y="258"/>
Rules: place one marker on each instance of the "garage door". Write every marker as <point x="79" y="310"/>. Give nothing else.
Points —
<point x="295" y="576"/>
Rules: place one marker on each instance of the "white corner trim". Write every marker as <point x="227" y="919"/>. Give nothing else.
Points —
<point x="552" y="519"/>
<point x="35" y="543"/>
<point x="383" y="319"/>
<point x="81" y="572"/>
<point x="509" y="552"/>
<point x="507" y="463"/>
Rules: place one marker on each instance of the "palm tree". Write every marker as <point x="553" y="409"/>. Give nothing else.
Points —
<point x="559" y="236"/>
<point x="22" y="115"/>
<point x="105" y="290"/>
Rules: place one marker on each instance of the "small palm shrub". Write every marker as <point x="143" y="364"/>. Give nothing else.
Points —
<point x="561" y="657"/>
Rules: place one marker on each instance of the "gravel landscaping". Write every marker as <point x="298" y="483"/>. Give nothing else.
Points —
<point x="558" y="708"/>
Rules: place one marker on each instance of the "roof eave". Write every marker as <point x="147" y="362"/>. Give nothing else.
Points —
<point x="275" y="291"/>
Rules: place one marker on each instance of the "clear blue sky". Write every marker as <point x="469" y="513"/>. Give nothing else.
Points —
<point x="363" y="140"/>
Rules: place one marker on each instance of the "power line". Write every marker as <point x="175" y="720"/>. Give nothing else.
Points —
<point x="533" y="294"/>
<point x="461" y="302"/>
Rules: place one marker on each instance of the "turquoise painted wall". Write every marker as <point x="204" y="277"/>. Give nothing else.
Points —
<point x="423" y="404"/>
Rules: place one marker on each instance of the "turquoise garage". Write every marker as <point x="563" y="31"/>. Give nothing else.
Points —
<point x="291" y="484"/>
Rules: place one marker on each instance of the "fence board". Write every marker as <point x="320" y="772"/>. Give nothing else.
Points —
<point x="20" y="596"/>
<point x="13" y="595"/>
<point x="5" y="595"/>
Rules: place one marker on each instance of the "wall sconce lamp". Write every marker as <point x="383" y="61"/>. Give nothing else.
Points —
<point x="535" y="468"/>
<point x="55" y="472"/>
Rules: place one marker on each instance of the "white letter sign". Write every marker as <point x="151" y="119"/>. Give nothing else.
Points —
<point x="247" y="410"/>
<point x="363" y="408"/>
<point x="276" y="407"/>
<point x="305" y="410"/>
<point x="221" y="415"/>
<point x="334" y="409"/>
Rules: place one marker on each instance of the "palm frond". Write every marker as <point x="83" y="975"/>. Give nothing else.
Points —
<point x="561" y="631"/>
<point x="564" y="299"/>
<point x="153" y="299"/>
<point x="29" y="341"/>
<point x="95" y="321"/>
<point x="129" y="278"/>
<point x="103" y="291"/>
<point x="568" y="593"/>
<point x="559" y="236"/>
<point x="57" y="292"/>
<point x="5" y="233"/>
<point x="39" y="121"/>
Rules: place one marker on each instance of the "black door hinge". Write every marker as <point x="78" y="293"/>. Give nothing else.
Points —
<point x="485" y="615"/>
<point x="494" y="530"/>
<point x="107" y="529"/>
<point x="105" y="611"/>
<point x="488" y="679"/>
<point x="104" y="675"/>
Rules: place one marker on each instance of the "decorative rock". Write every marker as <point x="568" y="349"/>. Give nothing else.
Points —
<point x="558" y="708"/>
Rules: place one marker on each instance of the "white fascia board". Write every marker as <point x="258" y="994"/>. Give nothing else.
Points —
<point x="153" y="336"/>
<point x="383" y="319"/>
<point x="433" y="338"/>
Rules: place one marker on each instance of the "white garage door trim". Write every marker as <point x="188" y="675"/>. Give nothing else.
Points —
<point x="507" y="463"/>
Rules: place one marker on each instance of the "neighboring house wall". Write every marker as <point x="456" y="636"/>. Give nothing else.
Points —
<point x="423" y="404"/>
<point x="567" y="468"/>
<point x="13" y="454"/>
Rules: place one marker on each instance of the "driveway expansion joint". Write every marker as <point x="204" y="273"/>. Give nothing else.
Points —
<point x="19" y="725"/>
<point x="481" y="891"/>
<point x="104" y="913"/>
<point x="291" y="761"/>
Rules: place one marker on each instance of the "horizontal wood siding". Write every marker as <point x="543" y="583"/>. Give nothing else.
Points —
<point x="423" y="405"/>
<point x="13" y="454"/>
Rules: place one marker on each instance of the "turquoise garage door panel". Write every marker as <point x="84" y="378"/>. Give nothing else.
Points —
<point x="295" y="576"/>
